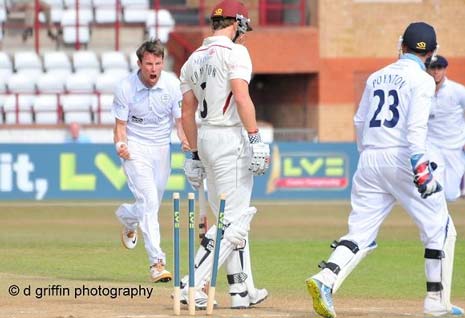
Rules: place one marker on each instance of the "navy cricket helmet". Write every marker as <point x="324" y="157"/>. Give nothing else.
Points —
<point x="436" y="61"/>
<point x="420" y="37"/>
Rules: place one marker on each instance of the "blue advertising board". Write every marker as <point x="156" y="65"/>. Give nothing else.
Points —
<point x="93" y="171"/>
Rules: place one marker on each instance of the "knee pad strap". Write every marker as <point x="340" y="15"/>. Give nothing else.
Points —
<point x="353" y="247"/>
<point x="434" y="254"/>
<point x="433" y="287"/>
<point x="236" y="278"/>
<point x="331" y="266"/>
<point x="208" y="244"/>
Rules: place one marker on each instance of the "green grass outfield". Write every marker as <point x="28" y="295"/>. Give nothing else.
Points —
<point x="63" y="241"/>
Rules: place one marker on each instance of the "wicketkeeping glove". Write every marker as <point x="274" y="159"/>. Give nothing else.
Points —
<point x="423" y="176"/>
<point x="260" y="161"/>
<point x="194" y="170"/>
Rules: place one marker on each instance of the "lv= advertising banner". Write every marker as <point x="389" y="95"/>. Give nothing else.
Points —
<point x="298" y="170"/>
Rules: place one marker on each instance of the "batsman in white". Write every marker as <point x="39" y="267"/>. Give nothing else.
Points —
<point x="227" y="146"/>
<point x="145" y="106"/>
<point x="446" y="125"/>
<point x="394" y="165"/>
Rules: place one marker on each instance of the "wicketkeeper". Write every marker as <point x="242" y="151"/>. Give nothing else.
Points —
<point x="395" y="165"/>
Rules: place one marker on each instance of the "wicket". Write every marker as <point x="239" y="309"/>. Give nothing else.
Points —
<point x="219" y="235"/>
<point x="191" y="253"/>
<point x="177" y="247"/>
<point x="191" y="240"/>
<point x="177" y="289"/>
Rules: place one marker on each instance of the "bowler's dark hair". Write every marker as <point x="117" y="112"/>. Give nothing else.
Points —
<point x="222" y="23"/>
<point x="152" y="46"/>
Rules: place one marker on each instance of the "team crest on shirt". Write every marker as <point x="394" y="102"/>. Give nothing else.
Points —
<point x="165" y="98"/>
<point x="137" y="120"/>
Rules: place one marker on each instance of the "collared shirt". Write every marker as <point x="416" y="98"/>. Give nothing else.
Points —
<point x="149" y="112"/>
<point x="395" y="107"/>
<point x="413" y="57"/>
<point x="446" y="125"/>
<point x="208" y="73"/>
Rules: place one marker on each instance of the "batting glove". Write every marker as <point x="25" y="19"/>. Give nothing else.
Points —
<point x="423" y="176"/>
<point x="194" y="170"/>
<point x="235" y="234"/>
<point x="260" y="161"/>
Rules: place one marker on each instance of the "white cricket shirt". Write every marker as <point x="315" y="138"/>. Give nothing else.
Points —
<point x="149" y="112"/>
<point x="446" y="126"/>
<point x="208" y="72"/>
<point x="395" y="106"/>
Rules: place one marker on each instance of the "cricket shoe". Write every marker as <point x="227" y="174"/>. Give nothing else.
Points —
<point x="240" y="300"/>
<point x="129" y="238"/>
<point x="247" y="299"/>
<point x="158" y="273"/>
<point x="201" y="299"/>
<point x="433" y="307"/>
<point x="454" y="311"/>
<point x="322" y="298"/>
<point x="258" y="296"/>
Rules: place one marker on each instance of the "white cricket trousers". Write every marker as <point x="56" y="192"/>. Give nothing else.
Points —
<point x="225" y="152"/>
<point x="147" y="172"/>
<point x="383" y="177"/>
<point x="454" y="160"/>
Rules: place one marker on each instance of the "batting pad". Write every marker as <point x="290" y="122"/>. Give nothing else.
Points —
<point x="204" y="256"/>
<point x="447" y="263"/>
<point x="349" y="267"/>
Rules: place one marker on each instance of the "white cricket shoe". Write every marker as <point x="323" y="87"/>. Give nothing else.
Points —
<point x="240" y="300"/>
<point x="158" y="273"/>
<point x="201" y="299"/>
<point x="456" y="311"/>
<point x="322" y="298"/>
<point x="129" y="238"/>
<point x="248" y="299"/>
<point x="258" y="296"/>
<point x="434" y="307"/>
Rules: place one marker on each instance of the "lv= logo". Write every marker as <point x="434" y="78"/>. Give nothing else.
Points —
<point x="296" y="171"/>
<point x="71" y="180"/>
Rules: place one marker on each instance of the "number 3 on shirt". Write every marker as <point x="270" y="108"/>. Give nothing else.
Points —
<point x="375" y="122"/>
<point x="204" y="110"/>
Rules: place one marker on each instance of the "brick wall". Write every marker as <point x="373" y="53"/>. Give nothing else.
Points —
<point x="357" y="38"/>
<point x="350" y="28"/>
<point x="251" y="5"/>
<point x="274" y="50"/>
<point x="335" y="122"/>
<point x="348" y="40"/>
<point x="284" y="49"/>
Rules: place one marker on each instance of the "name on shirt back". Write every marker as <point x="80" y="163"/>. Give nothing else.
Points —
<point x="393" y="79"/>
